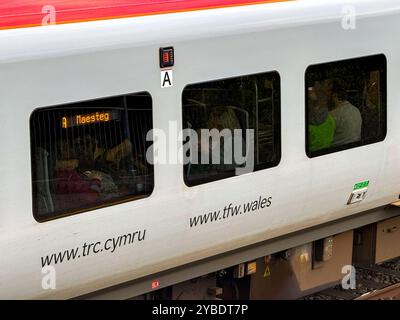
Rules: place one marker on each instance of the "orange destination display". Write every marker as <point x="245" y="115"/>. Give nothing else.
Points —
<point x="91" y="118"/>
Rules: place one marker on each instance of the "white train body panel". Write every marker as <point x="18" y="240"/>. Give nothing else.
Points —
<point x="41" y="67"/>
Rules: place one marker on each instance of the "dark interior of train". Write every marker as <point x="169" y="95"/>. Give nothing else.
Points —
<point x="350" y="93"/>
<point x="91" y="153"/>
<point x="248" y="102"/>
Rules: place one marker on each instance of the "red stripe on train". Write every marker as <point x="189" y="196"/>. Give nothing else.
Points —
<point x="24" y="13"/>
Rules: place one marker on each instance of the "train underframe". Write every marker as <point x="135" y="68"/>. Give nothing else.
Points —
<point x="290" y="268"/>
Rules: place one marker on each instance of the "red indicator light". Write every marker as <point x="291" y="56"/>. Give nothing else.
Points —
<point x="155" y="284"/>
<point x="166" y="57"/>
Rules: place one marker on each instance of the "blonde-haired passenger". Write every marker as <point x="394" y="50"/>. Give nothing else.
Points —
<point x="220" y="118"/>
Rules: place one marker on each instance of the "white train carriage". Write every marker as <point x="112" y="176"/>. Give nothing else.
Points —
<point x="77" y="102"/>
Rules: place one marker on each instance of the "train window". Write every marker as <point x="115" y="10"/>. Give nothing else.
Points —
<point x="90" y="154"/>
<point x="345" y="104"/>
<point x="232" y="127"/>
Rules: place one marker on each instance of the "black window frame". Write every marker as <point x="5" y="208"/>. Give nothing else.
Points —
<point x="277" y="128"/>
<point x="380" y="61"/>
<point x="109" y="203"/>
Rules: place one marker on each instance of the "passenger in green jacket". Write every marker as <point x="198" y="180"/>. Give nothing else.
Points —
<point x="320" y="136"/>
<point x="321" y="124"/>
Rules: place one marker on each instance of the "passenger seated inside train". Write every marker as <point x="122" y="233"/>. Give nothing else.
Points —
<point x="250" y="104"/>
<point x="81" y="166"/>
<point x="332" y="120"/>
<point x="220" y="118"/>
<point x="90" y="154"/>
<point x="321" y="126"/>
<point x="347" y="117"/>
<point x="86" y="173"/>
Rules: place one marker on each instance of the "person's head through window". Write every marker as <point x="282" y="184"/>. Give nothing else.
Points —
<point x="322" y="126"/>
<point x="221" y="144"/>
<point x="85" y="147"/>
<point x="319" y="102"/>
<point x="338" y="92"/>
<point x="221" y="118"/>
<point x="67" y="157"/>
<point x="77" y="153"/>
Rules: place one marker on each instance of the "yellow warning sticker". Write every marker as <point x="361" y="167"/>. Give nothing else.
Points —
<point x="267" y="272"/>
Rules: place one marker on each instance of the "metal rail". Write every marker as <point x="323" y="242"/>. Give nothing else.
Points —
<point x="374" y="282"/>
<point x="388" y="293"/>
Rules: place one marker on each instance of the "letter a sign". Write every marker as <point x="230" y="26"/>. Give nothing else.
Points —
<point x="166" y="79"/>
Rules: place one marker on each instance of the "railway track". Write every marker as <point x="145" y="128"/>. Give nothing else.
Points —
<point x="376" y="282"/>
<point x="388" y="293"/>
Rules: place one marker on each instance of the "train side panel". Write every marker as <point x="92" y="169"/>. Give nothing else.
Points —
<point x="303" y="192"/>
